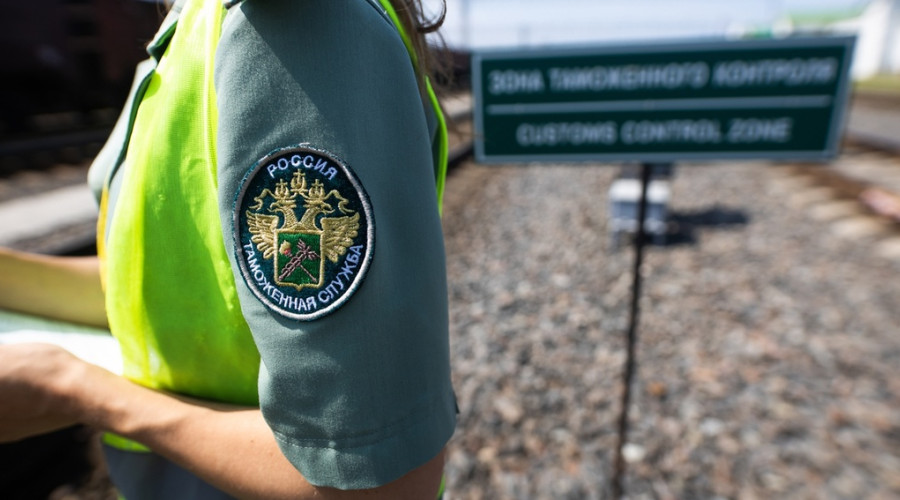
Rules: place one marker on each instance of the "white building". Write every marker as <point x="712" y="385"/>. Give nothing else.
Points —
<point x="876" y="25"/>
<point x="878" y="42"/>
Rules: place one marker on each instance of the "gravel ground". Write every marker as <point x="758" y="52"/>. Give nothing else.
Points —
<point x="768" y="346"/>
<point x="767" y="360"/>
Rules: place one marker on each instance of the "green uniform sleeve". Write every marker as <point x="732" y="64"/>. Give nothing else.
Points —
<point x="359" y="395"/>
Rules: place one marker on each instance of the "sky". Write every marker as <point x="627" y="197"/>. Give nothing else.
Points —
<point x="506" y="23"/>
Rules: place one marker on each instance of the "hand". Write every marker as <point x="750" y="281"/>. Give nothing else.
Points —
<point x="33" y="382"/>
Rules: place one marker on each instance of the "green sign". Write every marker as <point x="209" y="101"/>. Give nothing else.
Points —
<point x="773" y="99"/>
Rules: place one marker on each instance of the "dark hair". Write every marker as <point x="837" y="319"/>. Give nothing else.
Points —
<point x="417" y="26"/>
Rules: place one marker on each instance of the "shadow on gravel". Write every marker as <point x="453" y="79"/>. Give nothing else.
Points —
<point x="683" y="226"/>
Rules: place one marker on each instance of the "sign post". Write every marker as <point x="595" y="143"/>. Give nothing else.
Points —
<point x="718" y="100"/>
<point x="631" y="338"/>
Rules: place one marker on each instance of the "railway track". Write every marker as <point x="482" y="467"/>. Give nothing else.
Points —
<point x="49" y="169"/>
<point x="867" y="174"/>
<point x="31" y="165"/>
<point x="874" y="199"/>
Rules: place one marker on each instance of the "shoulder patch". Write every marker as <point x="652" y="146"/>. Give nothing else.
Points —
<point x="304" y="232"/>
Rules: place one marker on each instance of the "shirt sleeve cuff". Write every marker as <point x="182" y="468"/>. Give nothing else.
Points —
<point x="374" y="460"/>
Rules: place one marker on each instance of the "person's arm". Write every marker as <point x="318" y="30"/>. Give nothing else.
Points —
<point x="230" y="447"/>
<point x="63" y="288"/>
<point x="354" y="367"/>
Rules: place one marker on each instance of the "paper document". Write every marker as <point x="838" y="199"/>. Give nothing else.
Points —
<point x="93" y="345"/>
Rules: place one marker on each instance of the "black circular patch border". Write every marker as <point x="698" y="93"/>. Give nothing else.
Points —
<point x="238" y="231"/>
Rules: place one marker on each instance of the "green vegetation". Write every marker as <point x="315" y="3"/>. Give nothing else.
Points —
<point x="808" y="18"/>
<point x="879" y="84"/>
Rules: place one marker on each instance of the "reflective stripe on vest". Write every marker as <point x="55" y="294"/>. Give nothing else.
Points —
<point x="170" y="292"/>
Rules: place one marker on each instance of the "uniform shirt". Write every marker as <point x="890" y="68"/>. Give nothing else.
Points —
<point x="309" y="143"/>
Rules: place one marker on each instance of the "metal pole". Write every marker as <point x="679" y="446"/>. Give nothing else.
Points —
<point x="630" y="362"/>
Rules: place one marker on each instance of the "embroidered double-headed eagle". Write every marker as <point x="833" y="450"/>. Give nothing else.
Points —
<point x="301" y="246"/>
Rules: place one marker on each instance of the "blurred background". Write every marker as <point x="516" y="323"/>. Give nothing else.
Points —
<point x="74" y="56"/>
<point x="769" y="329"/>
<point x="504" y="23"/>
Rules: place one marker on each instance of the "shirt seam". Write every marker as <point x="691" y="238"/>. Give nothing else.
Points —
<point x="364" y="440"/>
